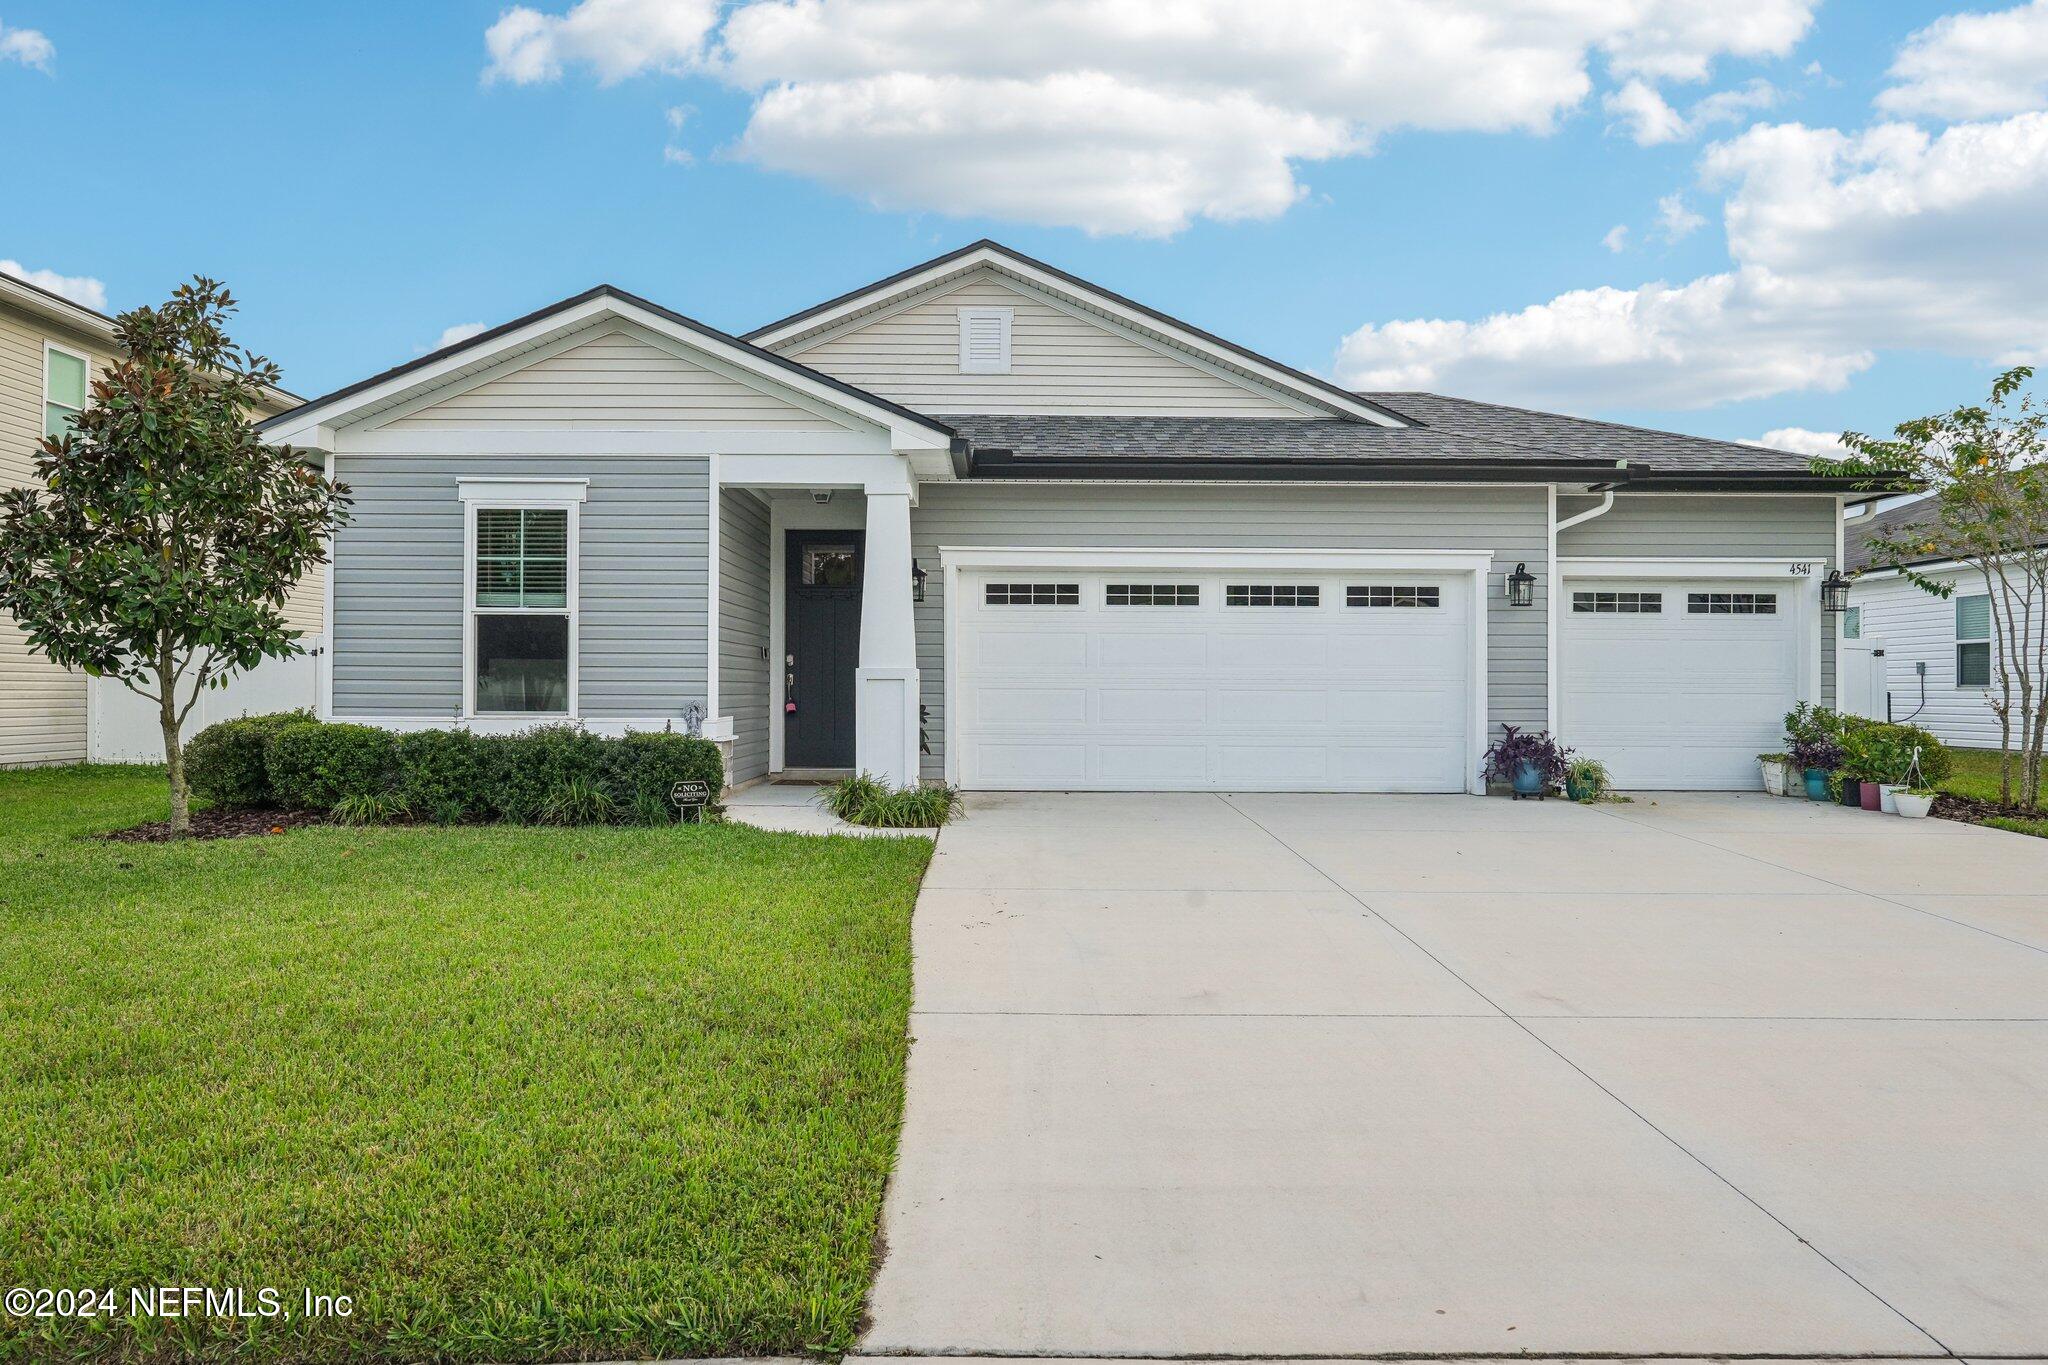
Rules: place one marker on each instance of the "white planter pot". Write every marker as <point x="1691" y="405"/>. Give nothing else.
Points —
<point x="1774" y="776"/>
<point x="1888" y="796"/>
<point x="1913" y="807"/>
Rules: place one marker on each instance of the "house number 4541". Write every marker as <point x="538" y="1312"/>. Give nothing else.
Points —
<point x="1801" y="569"/>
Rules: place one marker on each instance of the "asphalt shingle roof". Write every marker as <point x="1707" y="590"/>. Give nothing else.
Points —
<point x="1445" y="429"/>
<point x="1858" y="534"/>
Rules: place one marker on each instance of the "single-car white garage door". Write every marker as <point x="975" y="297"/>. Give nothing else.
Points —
<point x="1238" y="681"/>
<point x="1678" y="684"/>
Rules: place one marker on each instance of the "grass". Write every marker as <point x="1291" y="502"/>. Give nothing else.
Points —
<point x="862" y="800"/>
<point x="1976" y="775"/>
<point x="521" y="1093"/>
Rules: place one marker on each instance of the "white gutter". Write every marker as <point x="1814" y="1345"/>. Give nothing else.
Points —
<point x="1606" y="506"/>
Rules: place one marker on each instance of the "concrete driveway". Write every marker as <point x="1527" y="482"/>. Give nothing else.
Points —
<point x="1334" y="1075"/>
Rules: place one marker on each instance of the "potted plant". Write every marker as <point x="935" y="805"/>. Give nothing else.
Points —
<point x="1533" y="763"/>
<point x="1914" y="802"/>
<point x="1586" y="780"/>
<point x="1774" y="768"/>
<point x="1816" y="757"/>
<point x="1890" y="764"/>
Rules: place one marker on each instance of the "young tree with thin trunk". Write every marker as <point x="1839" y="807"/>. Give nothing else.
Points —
<point x="165" y="535"/>
<point x="1989" y="511"/>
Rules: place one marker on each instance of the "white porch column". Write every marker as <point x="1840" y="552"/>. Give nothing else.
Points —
<point x="885" y="683"/>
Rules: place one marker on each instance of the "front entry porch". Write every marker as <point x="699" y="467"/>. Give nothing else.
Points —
<point x="814" y="652"/>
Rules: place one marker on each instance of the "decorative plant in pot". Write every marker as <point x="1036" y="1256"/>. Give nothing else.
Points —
<point x="1889" y="761"/>
<point x="1914" y="802"/>
<point x="1859" y="770"/>
<point x="1586" y="780"/>
<point x="1815" y="758"/>
<point x="1534" y="764"/>
<point x="1774" y="768"/>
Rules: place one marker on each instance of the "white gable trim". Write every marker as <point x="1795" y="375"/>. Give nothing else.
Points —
<point x="906" y="433"/>
<point x="1003" y="263"/>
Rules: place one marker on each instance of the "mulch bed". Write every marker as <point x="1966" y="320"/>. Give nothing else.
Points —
<point x="1972" y="811"/>
<point x="221" y="824"/>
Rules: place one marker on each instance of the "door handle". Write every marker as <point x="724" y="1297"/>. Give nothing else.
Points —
<point x="789" y="685"/>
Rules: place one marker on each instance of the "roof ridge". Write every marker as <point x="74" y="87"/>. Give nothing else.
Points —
<point x="1569" y="417"/>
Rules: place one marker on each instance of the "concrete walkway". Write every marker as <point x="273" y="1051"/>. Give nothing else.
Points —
<point x="1328" y="1075"/>
<point x="792" y="808"/>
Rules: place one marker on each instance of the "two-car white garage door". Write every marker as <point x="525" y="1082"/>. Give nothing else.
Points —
<point x="1243" y="680"/>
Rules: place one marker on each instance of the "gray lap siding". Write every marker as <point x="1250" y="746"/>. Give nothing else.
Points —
<point x="643" y="538"/>
<point x="1510" y="522"/>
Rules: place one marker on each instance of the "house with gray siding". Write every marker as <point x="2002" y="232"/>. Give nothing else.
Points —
<point x="988" y="523"/>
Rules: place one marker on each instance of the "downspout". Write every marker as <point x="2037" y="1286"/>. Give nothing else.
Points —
<point x="1555" y="606"/>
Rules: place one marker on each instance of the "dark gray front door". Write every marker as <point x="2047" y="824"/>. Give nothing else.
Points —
<point x="822" y="573"/>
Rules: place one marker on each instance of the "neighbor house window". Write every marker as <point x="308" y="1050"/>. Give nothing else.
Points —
<point x="1153" y="595"/>
<point x="1032" y="595"/>
<point x="1391" y="595"/>
<point x="1852" y="624"/>
<point x="1732" y="603"/>
<point x="1973" y="641"/>
<point x="522" y="600"/>
<point x="1621" y="603"/>
<point x="1272" y="595"/>
<point x="63" y="388"/>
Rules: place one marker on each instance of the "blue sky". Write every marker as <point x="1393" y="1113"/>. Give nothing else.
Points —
<point x="1867" y="180"/>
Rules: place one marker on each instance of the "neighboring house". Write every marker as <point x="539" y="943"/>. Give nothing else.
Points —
<point x="1070" y="541"/>
<point x="50" y="351"/>
<point x="1939" y="657"/>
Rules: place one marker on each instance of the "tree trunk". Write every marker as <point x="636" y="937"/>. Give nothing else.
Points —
<point x="174" y="751"/>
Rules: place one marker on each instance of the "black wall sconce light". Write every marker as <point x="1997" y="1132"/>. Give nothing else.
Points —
<point x="1834" y="593"/>
<point x="917" y="577"/>
<point x="1521" y="587"/>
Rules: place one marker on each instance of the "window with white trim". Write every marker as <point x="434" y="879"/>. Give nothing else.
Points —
<point x="1973" y="640"/>
<point x="1392" y="595"/>
<point x="64" y="386"/>
<point x="1152" y="595"/>
<point x="1731" y="603"/>
<point x="522" y="626"/>
<point x="1619" y="603"/>
<point x="1272" y="595"/>
<point x="1032" y="595"/>
<point x="985" y="340"/>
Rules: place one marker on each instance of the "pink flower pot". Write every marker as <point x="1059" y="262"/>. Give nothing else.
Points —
<point x="1873" y="796"/>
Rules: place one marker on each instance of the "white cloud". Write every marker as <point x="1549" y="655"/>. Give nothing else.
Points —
<point x="80" y="289"/>
<point x="460" y="332"/>
<point x="1123" y="116"/>
<point x="678" y="156"/>
<point x="1801" y="441"/>
<point x="1974" y="65"/>
<point x="1675" y="221"/>
<point x="1644" y="115"/>
<point x="1616" y="239"/>
<point x="614" y="38"/>
<point x="1641" y="112"/>
<point x="1843" y="245"/>
<point x="27" y="46"/>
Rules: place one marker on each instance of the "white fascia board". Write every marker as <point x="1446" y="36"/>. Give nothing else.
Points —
<point x="1196" y="559"/>
<point x="1646" y="567"/>
<point x="606" y="441"/>
<point x="582" y="315"/>
<point x="1945" y="566"/>
<point x="869" y="473"/>
<point x="525" y="492"/>
<point x="1008" y="264"/>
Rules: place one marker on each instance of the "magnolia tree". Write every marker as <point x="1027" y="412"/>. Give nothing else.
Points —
<point x="1989" y="512"/>
<point x="165" y="535"/>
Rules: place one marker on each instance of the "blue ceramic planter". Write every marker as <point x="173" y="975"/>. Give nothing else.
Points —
<point x="1816" y="784"/>
<point x="1528" y="780"/>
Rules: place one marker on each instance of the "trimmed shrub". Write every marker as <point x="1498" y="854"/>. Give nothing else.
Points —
<point x="317" y="766"/>
<point x="861" y="800"/>
<point x="441" y="776"/>
<point x="225" y="762"/>
<point x="523" y="771"/>
<point x="642" y="769"/>
<point x="1874" y="750"/>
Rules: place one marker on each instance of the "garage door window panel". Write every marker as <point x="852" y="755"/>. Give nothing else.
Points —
<point x="1032" y="595"/>
<point x="1272" y="595"/>
<point x="1731" y="603"/>
<point x="1601" y="603"/>
<point x="1417" y="596"/>
<point x="1152" y="595"/>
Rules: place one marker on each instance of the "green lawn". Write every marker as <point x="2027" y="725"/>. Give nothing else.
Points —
<point x="521" y="1093"/>
<point x="1976" y="774"/>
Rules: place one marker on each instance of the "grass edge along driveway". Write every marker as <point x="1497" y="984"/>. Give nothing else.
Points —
<point x="1976" y="775"/>
<point x="521" y="1094"/>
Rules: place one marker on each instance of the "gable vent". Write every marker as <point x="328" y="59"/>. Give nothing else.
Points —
<point x="985" y="340"/>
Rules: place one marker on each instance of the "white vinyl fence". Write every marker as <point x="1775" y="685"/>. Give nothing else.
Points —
<point x="123" y="728"/>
